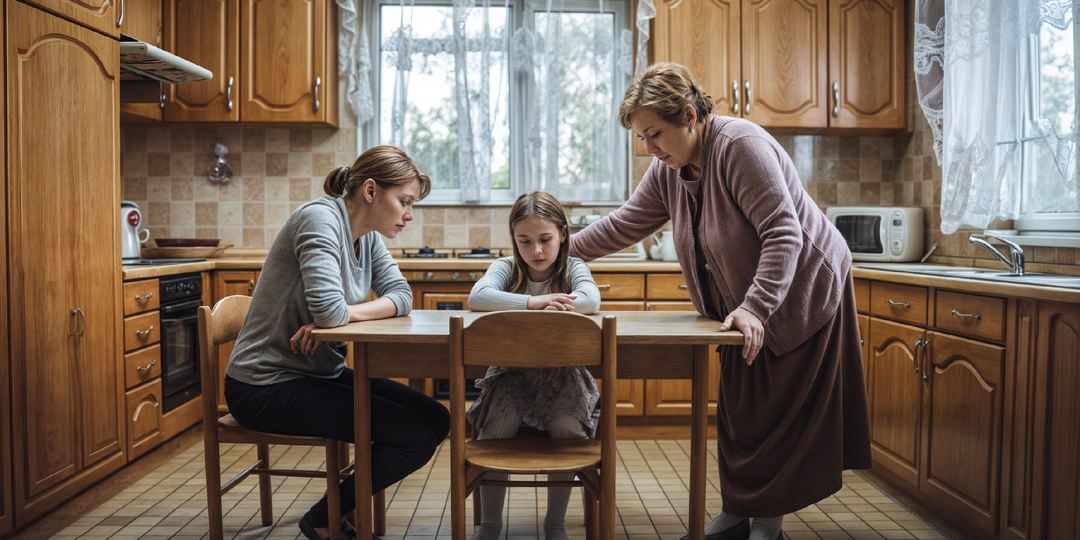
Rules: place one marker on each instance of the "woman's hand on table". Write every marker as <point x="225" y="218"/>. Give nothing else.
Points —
<point x="752" y="329"/>
<point x="302" y="342"/>
<point x="552" y="302"/>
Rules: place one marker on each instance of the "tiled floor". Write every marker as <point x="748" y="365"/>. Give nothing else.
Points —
<point x="652" y="499"/>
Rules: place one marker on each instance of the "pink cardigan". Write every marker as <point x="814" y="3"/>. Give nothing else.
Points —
<point x="770" y="249"/>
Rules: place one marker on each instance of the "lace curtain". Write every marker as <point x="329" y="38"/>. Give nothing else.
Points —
<point x="976" y="76"/>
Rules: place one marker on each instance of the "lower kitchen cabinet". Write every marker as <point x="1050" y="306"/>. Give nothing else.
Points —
<point x="673" y="397"/>
<point x="630" y="398"/>
<point x="897" y="390"/>
<point x="144" y="418"/>
<point x="231" y="283"/>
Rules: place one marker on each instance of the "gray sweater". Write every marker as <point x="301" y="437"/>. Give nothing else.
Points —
<point x="311" y="274"/>
<point x="489" y="293"/>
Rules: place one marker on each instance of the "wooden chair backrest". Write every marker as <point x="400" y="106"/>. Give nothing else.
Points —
<point x="217" y="326"/>
<point x="532" y="339"/>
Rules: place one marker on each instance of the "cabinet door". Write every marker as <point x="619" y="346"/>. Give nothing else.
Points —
<point x="784" y="62"/>
<point x="866" y="64"/>
<point x="100" y="15"/>
<point x="230" y="283"/>
<point x="864" y="336"/>
<point x="962" y="443"/>
<point x="630" y="400"/>
<point x="1056" y="463"/>
<point x="672" y="397"/>
<point x="206" y="32"/>
<point x="1016" y="473"/>
<point x="682" y="31"/>
<point x="46" y="58"/>
<point x="6" y="479"/>
<point x="143" y="418"/>
<point x="142" y="21"/>
<point x="896" y="392"/>
<point x="287" y="75"/>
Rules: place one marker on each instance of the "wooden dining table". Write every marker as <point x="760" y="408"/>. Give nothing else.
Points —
<point x="651" y="345"/>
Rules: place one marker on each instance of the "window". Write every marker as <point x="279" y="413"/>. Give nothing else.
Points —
<point x="548" y="118"/>
<point x="1048" y="189"/>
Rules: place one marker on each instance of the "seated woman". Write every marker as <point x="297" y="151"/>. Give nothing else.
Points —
<point x="318" y="273"/>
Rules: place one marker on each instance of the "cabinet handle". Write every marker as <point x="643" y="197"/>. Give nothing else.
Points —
<point x="836" y="98"/>
<point x="454" y="275"/>
<point x="228" y="93"/>
<point x="891" y="303"/>
<point x="161" y="99"/>
<point x="746" y="108"/>
<point x="925" y="344"/>
<point x="120" y="20"/>
<point x="682" y="287"/>
<point x="604" y="286"/>
<point x="915" y="359"/>
<point x="735" y="89"/>
<point x="142" y="333"/>
<point x="472" y="276"/>
<point x="962" y="315"/>
<point x="148" y="366"/>
<point x="74" y="324"/>
<point x="82" y="319"/>
<point x="144" y="297"/>
<point x="318" y="81"/>
<point x="251" y="285"/>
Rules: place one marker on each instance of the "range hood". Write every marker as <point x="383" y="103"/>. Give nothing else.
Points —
<point x="144" y="67"/>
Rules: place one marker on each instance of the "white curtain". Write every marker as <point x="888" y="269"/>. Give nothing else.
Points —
<point x="976" y="77"/>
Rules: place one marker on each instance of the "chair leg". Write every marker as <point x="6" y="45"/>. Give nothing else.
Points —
<point x="477" y="510"/>
<point x="378" y="511"/>
<point x="333" y="488"/>
<point x="266" y="498"/>
<point x="592" y="516"/>
<point x="213" y="487"/>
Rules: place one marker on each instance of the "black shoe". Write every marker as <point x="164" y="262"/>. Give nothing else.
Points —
<point x="741" y="531"/>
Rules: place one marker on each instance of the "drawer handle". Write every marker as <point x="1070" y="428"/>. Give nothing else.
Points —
<point x="962" y="315"/>
<point x="891" y="303"/>
<point x="147" y="296"/>
<point x="142" y="333"/>
<point x="148" y="366"/>
<point x="604" y="286"/>
<point x="682" y="287"/>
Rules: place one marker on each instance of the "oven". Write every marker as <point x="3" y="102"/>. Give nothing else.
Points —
<point x="181" y="297"/>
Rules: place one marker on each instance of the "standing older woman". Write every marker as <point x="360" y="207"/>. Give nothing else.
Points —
<point x="319" y="270"/>
<point x="759" y="255"/>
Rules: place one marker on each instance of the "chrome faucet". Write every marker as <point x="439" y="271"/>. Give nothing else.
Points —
<point x="1015" y="262"/>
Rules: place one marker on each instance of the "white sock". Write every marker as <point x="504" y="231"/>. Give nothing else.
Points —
<point x="722" y="522"/>
<point x="565" y="427"/>
<point x="766" y="528"/>
<point x="492" y="498"/>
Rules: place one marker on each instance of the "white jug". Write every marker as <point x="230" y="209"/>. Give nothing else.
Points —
<point x="664" y="249"/>
<point x="131" y="236"/>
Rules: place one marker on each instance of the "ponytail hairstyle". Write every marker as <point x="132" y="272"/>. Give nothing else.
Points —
<point x="665" y="89"/>
<point x="542" y="205"/>
<point x="388" y="166"/>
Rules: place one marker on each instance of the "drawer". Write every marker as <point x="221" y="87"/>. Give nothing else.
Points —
<point x="667" y="287"/>
<point x="143" y="418"/>
<point x="141" y="330"/>
<point x="614" y="286"/>
<point x="142" y="366"/>
<point x="862" y="296"/>
<point x="978" y="316"/>
<point x="900" y="302"/>
<point x="140" y="296"/>
<point x="669" y="306"/>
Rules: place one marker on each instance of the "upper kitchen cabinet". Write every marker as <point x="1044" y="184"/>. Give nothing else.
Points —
<point x="792" y="65"/>
<point x="207" y="33"/>
<point x="289" y="61"/>
<point x="274" y="62"/>
<point x="866" y="64"/>
<point x="105" y="16"/>
<point x="63" y="273"/>
<point x="142" y="21"/>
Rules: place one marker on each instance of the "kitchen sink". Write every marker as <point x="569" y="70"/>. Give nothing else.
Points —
<point x="987" y="274"/>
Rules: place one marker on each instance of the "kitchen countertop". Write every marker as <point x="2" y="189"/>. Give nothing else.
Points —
<point x="1033" y="292"/>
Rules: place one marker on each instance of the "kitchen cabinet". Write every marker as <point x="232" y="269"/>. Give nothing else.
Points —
<point x="672" y="397"/>
<point x="801" y="65"/>
<point x="273" y="62"/>
<point x="230" y="283"/>
<point x="142" y="366"/>
<point x="896" y="408"/>
<point x="142" y="21"/>
<point x="64" y="264"/>
<point x="6" y="480"/>
<point x="100" y="15"/>
<point x="144" y="418"/>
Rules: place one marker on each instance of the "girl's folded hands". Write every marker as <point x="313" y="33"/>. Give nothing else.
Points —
<point x="556" y="302"/>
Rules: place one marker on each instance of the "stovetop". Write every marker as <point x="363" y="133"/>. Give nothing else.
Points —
<point x="153" y="262"/>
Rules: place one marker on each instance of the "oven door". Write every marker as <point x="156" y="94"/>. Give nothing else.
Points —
<point x="179" y="353"/>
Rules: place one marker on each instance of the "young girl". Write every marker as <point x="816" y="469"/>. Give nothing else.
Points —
<point x="561" y="401"/>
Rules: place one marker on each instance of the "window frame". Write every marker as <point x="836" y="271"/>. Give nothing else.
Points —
<point x="518" y="94"/>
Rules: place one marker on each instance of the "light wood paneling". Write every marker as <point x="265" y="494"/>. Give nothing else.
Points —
<point x="100" y="15"/>
<point x="140" y="296"/>
<point x="620" y="286"/>
<point x="144" y="418"/>
<point x="703" y="36"/>
<point x="896" y="410"/>
<point x="206" y="32"/>
<point x="866" y="64"/>
<point x="970" y="315"/>
<point x="141" y="330"/>
<point x="901" y="302"/>
<point x="142" y="366"/>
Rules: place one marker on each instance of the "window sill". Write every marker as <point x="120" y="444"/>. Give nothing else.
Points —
<point x="1070" y="240"/>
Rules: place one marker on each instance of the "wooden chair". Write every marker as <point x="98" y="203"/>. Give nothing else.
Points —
<point x="554" y="339"/>
<point x="222" y="325"/>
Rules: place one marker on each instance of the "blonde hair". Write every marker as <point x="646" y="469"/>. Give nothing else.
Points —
<point x="665" y="89"/>
<point x="387" y="165"/>
<point x="542" y="205"/>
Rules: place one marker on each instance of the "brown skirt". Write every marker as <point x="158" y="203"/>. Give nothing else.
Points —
<point x="788" y="426"/>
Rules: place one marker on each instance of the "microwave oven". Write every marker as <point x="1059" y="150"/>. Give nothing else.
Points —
<point x="880" y="233"/>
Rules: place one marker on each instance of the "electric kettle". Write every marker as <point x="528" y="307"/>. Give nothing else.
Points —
<point x="130" y="218"/>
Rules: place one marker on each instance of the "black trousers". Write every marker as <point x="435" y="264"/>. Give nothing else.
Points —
<point x="407" y="426"/>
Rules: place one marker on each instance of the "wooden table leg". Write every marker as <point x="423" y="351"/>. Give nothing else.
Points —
<point x="362" y="418"/>
<point x="699" y="433"/>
